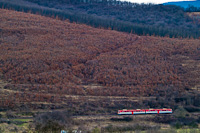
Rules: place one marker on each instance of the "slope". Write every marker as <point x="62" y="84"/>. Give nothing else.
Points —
<point x="44" y="60"/>
<point x="128" y="17"/>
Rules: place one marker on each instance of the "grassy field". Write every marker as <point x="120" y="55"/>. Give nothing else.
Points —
<point x="137" y="123"/>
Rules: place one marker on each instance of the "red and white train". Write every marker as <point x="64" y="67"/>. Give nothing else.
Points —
<point x="144" y="111"/>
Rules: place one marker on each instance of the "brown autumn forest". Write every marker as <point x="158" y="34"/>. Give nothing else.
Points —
<point x="49" y="60"/>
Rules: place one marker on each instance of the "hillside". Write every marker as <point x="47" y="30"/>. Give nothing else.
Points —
<point x="57" y="75"/>
<point x="165" y="18"/>
<point x="144" y="19"/>
<point x="48" y="60"/>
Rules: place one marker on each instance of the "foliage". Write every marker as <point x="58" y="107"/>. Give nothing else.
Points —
<point x="180" y="112"/>
<point x="158" y="20"/>
<point x="134" y="127"/>
<point x="178" y="125"/>
<point x="48" y="61"/>
<point x="2" y="129"/>
<point x="192" y="8"/>
<point x="176" y="122"/>
<point x="192" y="109"/>
<point x="52" y="121"/>
<point x="96" y="130"/>
<point x="126" y="119"/>
<point x="10" y="114"/>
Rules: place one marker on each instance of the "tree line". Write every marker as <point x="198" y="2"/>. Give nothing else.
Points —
<point x="106" y="22"/>
<point x="192" y="8"/>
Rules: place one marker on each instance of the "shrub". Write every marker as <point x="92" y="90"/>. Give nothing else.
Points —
<point x="127" y="119"/>
<point x="180" y="112"/>
<point x="96" y="130"/>
<point x="10" y="114"/>
<point x="193" y="125"/>
<point x="52" y="121"/>
<point x="135" y="127"/>
<point x="2" y="130"/>
<point x="177" y="125"/>
<point x="192" y="109"/>
<point x="163" y="119"/>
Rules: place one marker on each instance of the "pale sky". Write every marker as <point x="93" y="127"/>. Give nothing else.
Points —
<point x="154" y="1"/>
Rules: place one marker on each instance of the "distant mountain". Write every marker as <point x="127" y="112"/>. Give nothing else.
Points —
<point x="184" y="4"/>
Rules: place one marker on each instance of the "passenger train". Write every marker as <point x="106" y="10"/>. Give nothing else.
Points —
<point x="144" y="111"/>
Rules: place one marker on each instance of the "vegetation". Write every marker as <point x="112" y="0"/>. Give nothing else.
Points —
<point x="127" y="119"/>
<point x="135" y="127"/>
<point x="46" y="59"/>
<point x="192" y="8"/>
<point x="158" y="20"/>
<point x="52" y="121"/>
<point x="47" y="65"/>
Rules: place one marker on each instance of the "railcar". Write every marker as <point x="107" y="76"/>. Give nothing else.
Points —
<point x="144" y="111"/>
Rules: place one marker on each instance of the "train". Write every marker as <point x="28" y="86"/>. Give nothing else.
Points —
<point x="144" y="111"/>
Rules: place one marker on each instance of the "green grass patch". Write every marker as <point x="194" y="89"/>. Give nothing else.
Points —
<point x="2" y="114"/>
<point x="25" y="114"/>
<point x="189" y="130"/>
<point x="181" y="130"/>
<point x="23" y="125"/>
<point x="22" y="120"/>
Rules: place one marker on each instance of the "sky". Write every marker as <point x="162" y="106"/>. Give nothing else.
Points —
<point x="154" y="1"/>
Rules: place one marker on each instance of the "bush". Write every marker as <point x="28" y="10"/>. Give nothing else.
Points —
<point x="180" y="122"/>
<point x="135" y="127"/>
<point x="192" y="109"/>
<point x="177" y="125"/>
<point x="193" y="125"/>
<point x="198" y="120"/>
<point x="52" y="121"/>
<point x="10" y="114"/>
<point x="180" y="112"/>
<point x="163" y="119"/>
<point x="49" y="126"/>
<point x="96" y="130"/>
<point x="2" y="130"/>
<point x="127" y="119"/>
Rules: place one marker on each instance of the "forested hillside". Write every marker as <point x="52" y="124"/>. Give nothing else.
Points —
<point x="145" y="19"/>
<point x="156" y="16"/>
<point x="44" y="60"/>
